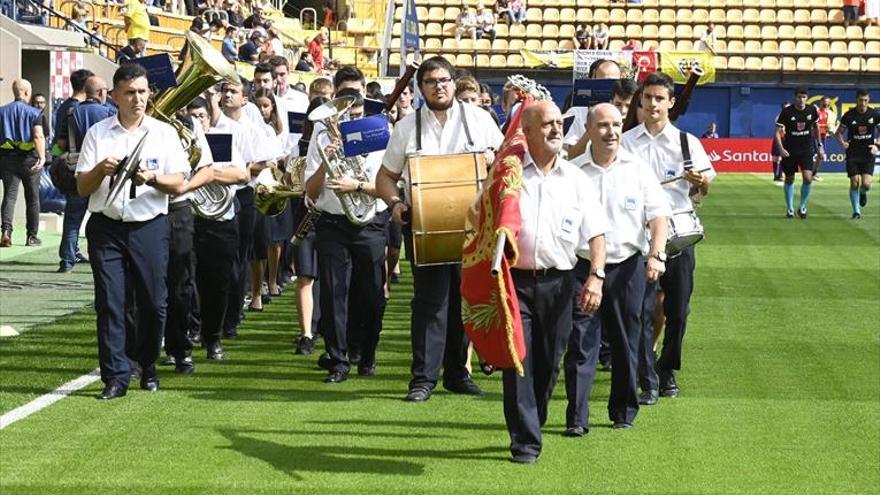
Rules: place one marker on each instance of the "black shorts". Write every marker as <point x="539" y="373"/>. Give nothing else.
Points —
<point x="393" y="232"/>
<point x="850" y="12"/>
<point x="261" y="238"/>
<point x="790" y="165"/>
<point x="859" y="166"/>
<point x="305" y="256"/>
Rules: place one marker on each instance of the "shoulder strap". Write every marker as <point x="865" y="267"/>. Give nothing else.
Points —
<point x="419" y="130"/>
<point x="686" y="151"/>
<point x="467" y="131"/>
<point x="71" y="130"/>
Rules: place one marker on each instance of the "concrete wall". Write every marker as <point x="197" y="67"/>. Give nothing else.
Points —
<point x="10" y="64"/>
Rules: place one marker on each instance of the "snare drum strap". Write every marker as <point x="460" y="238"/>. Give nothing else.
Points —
<point x="686" y="151"/>
<point x="467" y="130"/>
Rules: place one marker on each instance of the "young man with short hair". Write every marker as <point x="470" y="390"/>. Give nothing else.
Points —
<point x="861" y="123"/>
<point x="801" y="125"/>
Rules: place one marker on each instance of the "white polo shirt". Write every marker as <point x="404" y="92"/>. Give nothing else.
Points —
<point x="162" y="154"/>
<point x="206" y="158"/>
<point x="328" y="202"/>
<point x="292" y="102"/>
<point x="631" y="196"/>
<point x="578" y="125"/>
<point x="256" y="146"/>
<point x="440" y="139"/>
<point x="243" y="139"/>
<point x="560" y="214"/>
<point x="664" y="157"/>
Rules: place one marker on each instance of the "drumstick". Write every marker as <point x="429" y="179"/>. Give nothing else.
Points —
<point x="679" y="177"/>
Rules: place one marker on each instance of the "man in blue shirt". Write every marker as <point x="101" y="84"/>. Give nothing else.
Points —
<point x="22" y="155"/>
<point x="229" y="48"/>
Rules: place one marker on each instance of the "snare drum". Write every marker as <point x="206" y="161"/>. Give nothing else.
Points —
<point x="442" y="189"/>
<point x="684" y="230"/>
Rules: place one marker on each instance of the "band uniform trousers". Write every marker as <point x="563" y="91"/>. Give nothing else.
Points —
<point x="247" y="220"/>
<point x="358" y="326"/>
<point x="620" y="317"/>
<point x="436" y="330"/>
<point x="15" y="168"/>
<point x="349" y="257"/>
<point x="677" y="285"/>
<point x="134" y="252"/>
<point x="216" y="246"/>
<point x="545" y="304"/>
<point x="180" y="278"/>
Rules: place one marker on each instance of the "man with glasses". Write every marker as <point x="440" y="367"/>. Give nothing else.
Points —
<point x="446" y="127"/>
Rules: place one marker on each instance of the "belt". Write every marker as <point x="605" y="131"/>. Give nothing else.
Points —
<point x="177" y="205"/>
<point x="537" y="272"/>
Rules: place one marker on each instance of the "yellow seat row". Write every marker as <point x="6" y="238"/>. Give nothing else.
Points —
<point x="646" y="3"/>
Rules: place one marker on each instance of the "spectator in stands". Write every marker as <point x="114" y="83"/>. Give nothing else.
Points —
<point x="199" y="26"/>
<point x="486" y="23"/>
<point x="275" y="45"/>
<point x="136" y="48"/>
<point x="466" y="23"/>
<point x="711" y="132"/>
<point x="600" y="37"/>
<point x="137" y="21"/>
<point x="502" y="10"/>
<point x="518" y="10"/>
<point x="22" y="155"/>
<point x="707" y="40"/>
<point x="230" y="44"/>
<point x="374" y="91"/>
<point x="250" y="51"/>
<point x="301" y="87"/>
<point x="872" y="12"/>
<point x="233" y="10"/>
<point x="632" y="44"/>
<point x="79" y="14"/>
<point x="215" y="28"/>
<point x="851" y="12"/>
<point x="583" y="38"/>
<point x="305" y="62"/>
<point x="96" y="39"/>
<point x="316" y="49"/>
<point x="255" y="20"/>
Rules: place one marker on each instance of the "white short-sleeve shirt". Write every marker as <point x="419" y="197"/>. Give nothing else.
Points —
<point x="631" y="196"/>
<point x="292" y="102"/>
<point x="440" y="139"/>
<point x="162" y="154"/>
<point x="578" y="125"/>
<point x="560" y="214"/>
<point x="206" y="158"/>
<point x="242" y="142"/>
<point x="664" y="156"/>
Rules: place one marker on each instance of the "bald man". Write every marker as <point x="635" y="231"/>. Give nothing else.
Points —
<point x="561" y="218"/>
<point x="22" y="155"/>
<point x="630" y="197"/>
<point x="574" y="142"/>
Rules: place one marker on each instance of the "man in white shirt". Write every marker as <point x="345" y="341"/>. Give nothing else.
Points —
<point x="289" y="100"/>
<point x="128" y="238"/>
<point x="631" y="197"/>
<point x="466" y="23"/>
<point x="446" y="127"/>
<point x="660" y="143"/>
<point x="351" y="257"/>
<point x="561" y="219"/>
<point x="600" y="69"/>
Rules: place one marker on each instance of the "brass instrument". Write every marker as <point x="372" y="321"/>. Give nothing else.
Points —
<point x="274" y="187"/>
<point x="127" y="168"/>
<point x="359" y="207"/>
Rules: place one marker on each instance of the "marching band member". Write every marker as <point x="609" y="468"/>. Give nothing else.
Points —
<point x="561" y="218"/>
<point x="447" y="127"/>
<point x="128" y="238"/>
<point x="351" y="258"/>
<point x="660" y="143"/>
<point x="631" y="197"/>
<point x="600" y="69"/>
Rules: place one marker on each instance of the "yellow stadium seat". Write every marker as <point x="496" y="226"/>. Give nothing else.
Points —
<point x="394" y="59"/>
<point x="854" y="32"/>
<point x="720" y="46"/>
<point x="786" y="32"/>
<point x="433" y="29"/>
<point x="684" y="3"/>
<point x="584" y="15"/>
<point x="873" y="65"/>
<point x="820" y="32"/>
<point x="839" y="64"/>
<point x="550" y="31"/>
<point x="600" y="15"/>
<point x="769" y="33"/>
<point x="770" y="62"/>
<point x="734" y="16"/>
<point x="818" y="15"/>
<point x="464" y="60"/>
<point x="684" y="45"/>
<point x="767" y="15"/>
<point x="768" y="4"/>
<point x="483" y="60"/>
<point x="633" y="15"/>
<point x="667" y="16"/>
<point x="717" y="3"/>
<point x="835" y="15"/>
<point x="533" y="44"/>
<point x="684" y="15"/>
<point x="566" y="45"/>
<point x="818" y="3"/>
<point x="567" y="31"/>
<point x="802" y="32"/>
<point x="804" y="46"/>
<point x="650" y="45"/>
<point x="805" y="64"/>
<point x="735" y="32"/>
<point x="667" y="3"/>
<point x="617" y="15"/>
<point x="837" y="33"/>
<point x="838" y="47"/>
<point x="483" y="45"/>
<point x="650" y="32"/>
<point x="422" y="13"/>
<point x="501" y="30"/>
<point x="702" y="3"/>
<point x="857" y="47"/>
<point x="533" y="15"/>
<point x="449" y="44"/>
<point x="551" y="15"/>
<point x="784" y="16"/>
<point x="396" y="29"/>
<point x="700" y="15"/>
<point x="616" y="31"/>
<point x="667" y="32"/>
<point x="717" y="16"/>
<point x="751" y="15"/>
<point x="786" y="46"/>
<point x="449" y="28"/>
<point x="499" y="45"/>
<point x="567" y="14"/>
<point x="872" y="46"/>
<point x="549" y="45"/>
<point x="754" y="63"/>
<point x="751" y="3"/>
<point x="451" y="13"/>
<point x="395" y="43"/>
<point x="517" y="31"/>
<point x="398" y="13"/>
<point x="735" y="46"/>
<point x="736" y="63"/>
<point x="431" y="44"/>
<point x="449" y="56"/>
<point x="822" y="47"/>
<point x="534" y="31"/>
<point x="734" y="3"/>
<point x="516" y="45"/>
<point x="667" y="45"/>
<point x="466" y="44"/>
<point x="600" y="3"/>
<point x="720" y="62"/>
<point x="752" y="32"/>
<point x="802" y="16"/>
<point x="634" y="31"/>
<point x="789" y="64"/>
<point x="752" y="46"/>
<point x="650" y="15"/>
<point x="615" y="45"/>
<point x="872" y="33"/>
<point x="684" y="31"/>
<point x="436" y="14"/>
<point x="515" y="61"/>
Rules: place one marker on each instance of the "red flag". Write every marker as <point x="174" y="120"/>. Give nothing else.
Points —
<point x="489" y="306"/>
<point x="645" y="63"/>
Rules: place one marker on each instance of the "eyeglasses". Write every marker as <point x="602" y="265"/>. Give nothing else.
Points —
<point x="434" y="83"/>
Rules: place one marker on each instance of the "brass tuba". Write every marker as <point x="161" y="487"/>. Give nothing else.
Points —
<point x="274" y="187"/>
<point x="359" y="207"/>
<point x="202" y="68"/>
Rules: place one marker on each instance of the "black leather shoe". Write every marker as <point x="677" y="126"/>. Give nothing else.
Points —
<point x="621" y="425"/>
<point x="324" y="361"/>
<point x="524" y="459"/>
<point x="669" y="387"/>
<point x="604" y="365"/>
<point x="863" y="199"/>
<point x="305" y="346"/>
<point x="418" y="394"/>
<point x="64" y="269"/>
<point x="648" y="398"/>
<point x="184" y="366"/>
<point x="168" y="360"/>
<point x="367" y="370"/>
<point x="336" y="377"/>
<point x="216" y="352"/>
<point x="81" y="259"/>
<point x="354" y="357"/>
<point x="466" y="387"/>
<point x="574" y="431"/>
<point x="230" y="334"/>
<point x="112" y="391"/>
<point x="150" y="384"/>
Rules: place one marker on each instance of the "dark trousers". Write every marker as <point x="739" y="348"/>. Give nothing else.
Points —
<point x="137" y="253"/>
<point x="74" y="212"/>
<point x="180" y="276"/>
<point x="545" y="304"/>
<point x="436" y="329"/>
<point x="15" y="168"/>
<point x="351" y="257"/>
<point x="620" y="318"/>
<point x="678" y="285"/>
<point x="247" y="220"/>
<point x="216" y="246"/>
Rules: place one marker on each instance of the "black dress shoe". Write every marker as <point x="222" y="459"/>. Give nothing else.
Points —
<point x="81" y="259"/>
<point x="305" y="346"/>
<point x="418" y="394"/>
<point x="112" y="391"/>
<point x="367" y="370"/>
<point x="621" y="425"/>
<point x="184" y="366"/>
<point x="337" y="376"/>
<point x="150" y="384"/>
<point x="648" y="398"/>
<point x="230" y="334"/>
<point x="395" y="278"/>
<point x="524" y="459"/>
<point x="168" y="360"/>
<point x="604" y="365"/>
<point x="354" y="357"/>
<point x="216" y="352"/>
<point x="466" y="387"/>
<point x="668" y="386"/>
<point x="324" y="361"/>
<point x="64" y="269"/>
<point x="574" y="431"/>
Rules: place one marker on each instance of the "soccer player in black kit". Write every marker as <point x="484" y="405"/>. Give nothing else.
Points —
<point x="799" y="121"/>
<point x="861" y="147"/>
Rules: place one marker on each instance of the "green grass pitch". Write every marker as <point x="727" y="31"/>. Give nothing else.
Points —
<point x="780" y="392"/>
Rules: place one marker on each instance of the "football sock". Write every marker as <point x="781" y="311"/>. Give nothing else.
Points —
<point x="788" y="189"/>
<point x="805" y="194"/>
<point x="854" y="200"/>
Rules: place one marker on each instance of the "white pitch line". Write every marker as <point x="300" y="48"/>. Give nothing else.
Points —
<point x="47" y="400"/>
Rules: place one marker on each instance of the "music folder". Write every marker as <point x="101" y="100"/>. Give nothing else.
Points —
<point x="499" y="110"/>
<point x="160" y="73"/>
<point x="373" y="107"/>
<point x="295" y="122"/>
<point x="365" y="135"/>
<point x="589" y="92"/>
<point x="566" y="123"/>
<point x="221" y="147"/>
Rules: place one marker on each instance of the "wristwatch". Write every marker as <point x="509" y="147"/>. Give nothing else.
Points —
<point x="661" y="256"/>
<point x="360" y="186"/>
<point x="599" y="273"/>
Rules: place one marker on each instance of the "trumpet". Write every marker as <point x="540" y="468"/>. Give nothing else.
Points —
<point x="359" y="207"/>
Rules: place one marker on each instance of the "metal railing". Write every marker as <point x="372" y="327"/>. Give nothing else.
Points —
<point x="67" y="22"/>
